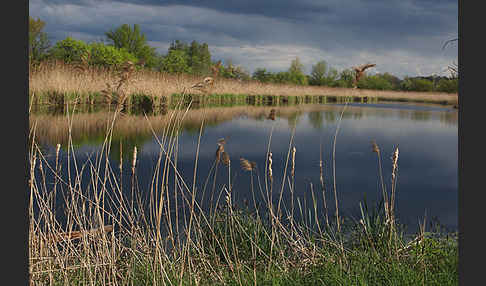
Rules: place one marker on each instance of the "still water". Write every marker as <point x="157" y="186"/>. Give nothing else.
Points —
<point x="426" y="135"/>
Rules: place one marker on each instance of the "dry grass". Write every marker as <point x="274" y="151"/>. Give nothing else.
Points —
<point x="67" y="79"/>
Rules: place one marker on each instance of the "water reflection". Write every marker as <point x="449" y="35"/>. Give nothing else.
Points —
<point x="426" y="136"/>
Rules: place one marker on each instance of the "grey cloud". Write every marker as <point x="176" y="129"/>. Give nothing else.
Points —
<point x="404" y="37"/>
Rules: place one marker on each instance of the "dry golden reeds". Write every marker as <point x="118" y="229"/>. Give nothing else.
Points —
<point x="63" y="78"/>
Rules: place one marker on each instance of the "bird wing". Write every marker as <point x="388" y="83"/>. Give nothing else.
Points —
<point x="366" y="66"/>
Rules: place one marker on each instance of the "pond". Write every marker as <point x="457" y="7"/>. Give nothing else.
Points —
<point x="426" y="135"/>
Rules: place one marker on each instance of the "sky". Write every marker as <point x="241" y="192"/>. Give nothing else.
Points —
<point x="402" y="37"/>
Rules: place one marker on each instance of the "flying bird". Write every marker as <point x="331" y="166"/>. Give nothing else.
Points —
<point x="360" y="72"/>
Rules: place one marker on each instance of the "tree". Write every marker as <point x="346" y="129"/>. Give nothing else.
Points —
<point x="393" y="80"/>
<point x="134" y="42"/>
<point x="228" y="70"/>
<point x="38" y="42"/>
<point x="176" y="61"/>
<point x="296" y="72"/>
<point x="180" y="46"/>
<point x="346" y="78"/>
<point x="376" y="82"/>
<point x="318" y="73"/>
<point x="70" y="50"/>
<point x="321" y="74"/>
<point x="448" y="85"/>
<point x="262" y="75"/>
<point x="108" y="56"/>
<point x="199" y="58"/>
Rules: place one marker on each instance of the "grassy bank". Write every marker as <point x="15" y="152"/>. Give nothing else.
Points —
<point x="118" y="234"/>
<point x="60" y="83"/>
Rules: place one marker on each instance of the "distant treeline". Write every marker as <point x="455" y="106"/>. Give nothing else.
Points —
<point x="127" y="43"/>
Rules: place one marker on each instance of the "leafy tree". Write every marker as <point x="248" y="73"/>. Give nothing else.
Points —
<point x="321" y="74"/>
<point x="180" y="46"/>
<point x="176" y="61"/>
<point x="228" y="70"/>
<point x="134" y="42"/>
<point x="199" y="58"/>
<point x="345" y="78"/>
<point x="376" y="82"/>
<point x="423" y="85"/>
<point x="38" y="42"/>
<point x="262" y="75"/>
<point x="416" y="84"/>
<point x="406" y="84"/>
<point x="69" y="50"/>
<point x="282" y="77"/>
<point x="104" y="55"/>
<point x="393" y="80"/>
<point x="447" y="85"/>
<point x="296" y="72"/>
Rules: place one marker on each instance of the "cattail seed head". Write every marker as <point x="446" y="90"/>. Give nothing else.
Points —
<point x="375" y="147"/>
<point x="270" y="172"/>
<point x="134" y="157"/>
<point x="292" y="171"/>
<point x="225" y="158"/>
<point x="394" y="162"/>
<point x="219" y="151"/>
<point x="58" y="147"/>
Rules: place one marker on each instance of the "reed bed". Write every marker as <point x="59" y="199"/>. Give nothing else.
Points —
<point x="67" y="80"/>
<point x="114" y="234"/>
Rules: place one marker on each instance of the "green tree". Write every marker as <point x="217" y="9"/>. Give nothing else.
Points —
<point x="447" y="85"/>
<point x="107" y="56"/>
<point x="134" y="42"/>
<point x="281" y="77"/>
<point x="262" y="75"/>
<point x="296" y="72"/>
<point x="176" y="61"/>
<point x="393" y="80"/>
<point x="228" y="70"/>
<point x="38" y="41"/>
<point x="376" y="82"/>
<point x="318" y="73"/>
<point x="199" y="58"/>
<point x="422" y="85"/>
<point x="179" y="45"/>
<point x="69" y="50"/>
<point x="345" y="78"/>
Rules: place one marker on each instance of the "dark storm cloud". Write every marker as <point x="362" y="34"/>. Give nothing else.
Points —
<point x="402" y="37"/>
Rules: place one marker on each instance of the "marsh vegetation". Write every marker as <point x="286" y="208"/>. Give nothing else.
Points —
<point x="98" y="224"/>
